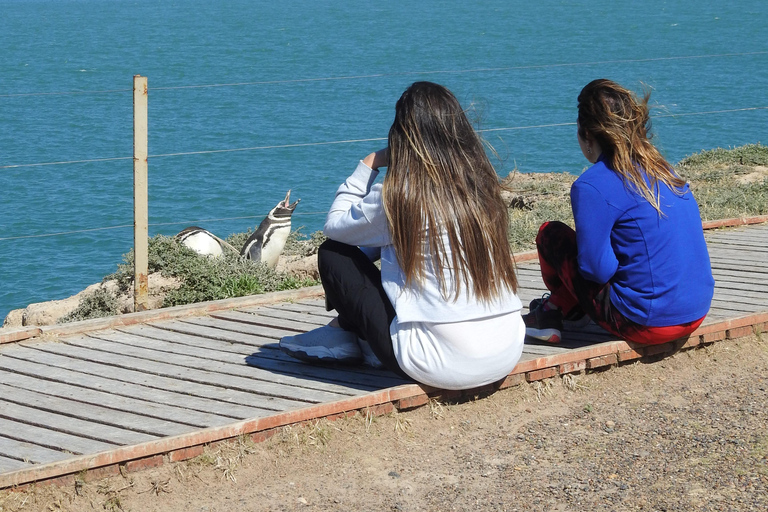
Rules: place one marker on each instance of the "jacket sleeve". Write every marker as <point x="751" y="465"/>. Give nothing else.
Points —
<point x="594" y="220"/>
<point x="357" y="215"/>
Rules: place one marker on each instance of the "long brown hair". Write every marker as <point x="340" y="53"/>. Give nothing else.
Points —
<point x="621" y="125"/>
<point x="440" y="182"/>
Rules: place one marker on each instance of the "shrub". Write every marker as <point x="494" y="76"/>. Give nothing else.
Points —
<point x="97" y="304"/>
<point x="237" y="240"/>
<point x="299" y="244"/>
<point x="205" y="278"/>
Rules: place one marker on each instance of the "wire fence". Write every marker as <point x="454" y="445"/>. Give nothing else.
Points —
<point x="335" y="142"/>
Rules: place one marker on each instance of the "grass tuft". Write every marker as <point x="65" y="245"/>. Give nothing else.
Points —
<point x="729" y="182"/>
<point x="97" y="304"/>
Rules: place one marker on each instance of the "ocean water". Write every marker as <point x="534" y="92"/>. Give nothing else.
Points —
<point x="248" y="99"/>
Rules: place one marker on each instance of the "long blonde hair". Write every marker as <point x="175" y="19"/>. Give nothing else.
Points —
<point x="620" y="123"/>
<point x="440" y="182"/>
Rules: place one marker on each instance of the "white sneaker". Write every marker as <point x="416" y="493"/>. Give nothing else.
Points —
<point x="369" y="357"/>
<point x="325" y="344"/>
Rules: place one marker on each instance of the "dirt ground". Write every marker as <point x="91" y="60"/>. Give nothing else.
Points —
<point x="687" y="432"/>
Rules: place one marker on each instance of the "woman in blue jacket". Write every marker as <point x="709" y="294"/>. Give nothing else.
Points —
<point x="637" y="263"/>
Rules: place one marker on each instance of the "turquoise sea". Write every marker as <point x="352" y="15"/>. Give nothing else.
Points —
<point x="250" y="98"/>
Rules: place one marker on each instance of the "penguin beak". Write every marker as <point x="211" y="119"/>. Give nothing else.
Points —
<point x="286" y="203"/>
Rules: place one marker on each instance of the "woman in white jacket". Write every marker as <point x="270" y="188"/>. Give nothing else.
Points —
<point x="443" y="310"/>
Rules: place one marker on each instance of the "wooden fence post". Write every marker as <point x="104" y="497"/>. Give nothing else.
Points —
<point x="140" y="193"/>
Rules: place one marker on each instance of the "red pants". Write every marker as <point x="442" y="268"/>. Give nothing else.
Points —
<point x="556" y="244"/>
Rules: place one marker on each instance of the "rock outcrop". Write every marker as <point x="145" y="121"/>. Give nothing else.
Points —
<point x="49" y="313"/>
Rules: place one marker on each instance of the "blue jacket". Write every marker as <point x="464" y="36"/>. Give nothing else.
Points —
<point x="658" y="266"/>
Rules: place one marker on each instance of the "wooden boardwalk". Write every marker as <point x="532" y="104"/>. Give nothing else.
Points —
<point x="153" y="387"/>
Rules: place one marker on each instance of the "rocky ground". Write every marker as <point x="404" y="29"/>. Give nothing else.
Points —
<point x="687" y="432"/>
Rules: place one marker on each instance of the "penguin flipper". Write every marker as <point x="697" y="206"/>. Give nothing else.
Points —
<point x="252" y="247"/>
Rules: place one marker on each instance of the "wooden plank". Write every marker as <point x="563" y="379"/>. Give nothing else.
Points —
<point x="737" y="307"/>
<point x="731" y="288"/>
<point x="274" y="361"/>
<point x="28" y="452"/>
<point x="318" y="302"/>
<point x="7" y="465"/>
<point x="755" y="278"/>
<point x="52" y="439"/>
<point x="747" y="257"/>
<point x="258" y="330"/>
<point x="309" y="320"/>
<point x="727" y="263"/>
<point x="114" y="400"/>
<point x="744" y="237"/>
<point x="718" y="314"/>
<point x="204" y="330"/>
<point x="293" y="326"/>
<point x="534" y="349"/>
<point x="130" y="386"/>
<point x="75" y="426"/>
<point x="749" y="272"/>
<point x="289" y="395"/>
<point x="750" y="238"/>
<point x="342" y="374"/>
<point x="743" y="256"/>
<point x="753" y="246"/>
<point x="528" y="357"/>
<point x="737" y="288"/>
<point x="529" y="278"/>
<point x="212" y="360"/>
<point x="261" y="405"/>
<point x="530" y="266"/>
<point x="732" y="283"/>
<point x="296" y="307"/>
<point x="155" y="427"/>
<point x="236" y="343"/>
<point x="743" y="272"/>
<point x="735" y="297"/>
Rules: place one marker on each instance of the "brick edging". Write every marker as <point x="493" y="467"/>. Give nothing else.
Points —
<point x="19" y="334"/>
<point x="730" y="223"/>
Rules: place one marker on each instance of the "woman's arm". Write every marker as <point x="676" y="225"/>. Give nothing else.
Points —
<point x="356" y="216"/>
<point x="378" y="159"/>
<point x="594" y="221"/>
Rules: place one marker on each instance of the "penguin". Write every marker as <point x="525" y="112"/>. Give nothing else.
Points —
<point x="268" y="242"/>
<point x="204" y="242"/>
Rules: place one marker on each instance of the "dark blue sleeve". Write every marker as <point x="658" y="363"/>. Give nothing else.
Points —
<point x="594" y="221"/>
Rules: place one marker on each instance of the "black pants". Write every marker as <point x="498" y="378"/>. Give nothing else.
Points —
<point x="352" y="285"/>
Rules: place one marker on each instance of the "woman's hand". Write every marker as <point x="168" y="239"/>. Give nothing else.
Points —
<point x="377" y="159"/>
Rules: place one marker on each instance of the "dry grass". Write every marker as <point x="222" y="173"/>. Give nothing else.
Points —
<point x="726" y="183"/>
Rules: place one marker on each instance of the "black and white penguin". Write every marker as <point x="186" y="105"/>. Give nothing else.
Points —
<point x="204" y="242"/>
<point x="268" y="242"/>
